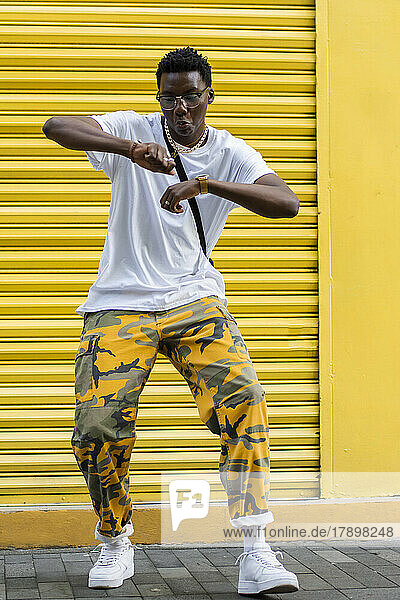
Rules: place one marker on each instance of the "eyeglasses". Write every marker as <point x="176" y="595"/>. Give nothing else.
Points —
<point x="190" y="100"/>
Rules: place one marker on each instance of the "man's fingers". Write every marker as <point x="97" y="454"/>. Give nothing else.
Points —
<point x="156" y="159"/>
<point x="170" y="163"/>
<point x="170" y="202"/>
<point x="168" y="166"/>
<point x="160" y="154"/>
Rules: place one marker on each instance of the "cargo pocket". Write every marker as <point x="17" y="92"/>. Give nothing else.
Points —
<point x="84" y="359"/>
<point x="225" y="312"/>
<point x="213" y="423"/>
<point x="237" y="338"/>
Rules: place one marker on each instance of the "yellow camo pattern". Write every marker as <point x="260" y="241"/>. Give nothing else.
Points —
<point x="115" y="357"/>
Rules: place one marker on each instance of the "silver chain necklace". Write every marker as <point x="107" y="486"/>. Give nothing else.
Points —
<point x="185" y="149"/>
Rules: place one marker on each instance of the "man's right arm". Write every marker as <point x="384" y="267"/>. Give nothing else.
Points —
<point x="85" y="133"/>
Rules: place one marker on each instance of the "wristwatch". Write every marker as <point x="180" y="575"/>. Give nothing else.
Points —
<point x="203" y="180"/>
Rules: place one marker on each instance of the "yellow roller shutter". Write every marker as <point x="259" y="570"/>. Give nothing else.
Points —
<point x="80" y="58"/>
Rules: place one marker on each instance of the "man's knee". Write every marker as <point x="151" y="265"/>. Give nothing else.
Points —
<point x="243" y="412"/>
<point x="103" y="424"/>
<point x="246" y="396"/>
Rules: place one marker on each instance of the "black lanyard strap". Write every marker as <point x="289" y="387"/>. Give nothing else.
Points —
<point x="192" y="201"/>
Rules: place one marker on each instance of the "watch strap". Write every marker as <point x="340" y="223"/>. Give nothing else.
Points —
<point x="203" y="180"/>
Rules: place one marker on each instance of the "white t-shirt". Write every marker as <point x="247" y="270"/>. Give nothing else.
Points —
<point x="152" y="259"/>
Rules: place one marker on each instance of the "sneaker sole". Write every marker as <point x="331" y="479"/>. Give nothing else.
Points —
<point x="282" y="585"/>
<point x="111" y="583"/>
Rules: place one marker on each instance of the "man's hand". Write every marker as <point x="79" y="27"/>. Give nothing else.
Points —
<point x="177" y="192"/>
<point x="153" y="157"/>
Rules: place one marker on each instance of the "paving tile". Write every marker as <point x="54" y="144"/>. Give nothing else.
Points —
<point x="388" y="571"/>
<point x="22" y="594"/>
<point x="233" y="581"/>
<point x="2" y="591"/>
<point x="291" y="564"/>
<point x="19" y="570"/>
<point x="316" y="595"/>
<point x="139" y="553"/>
<point x="345" y="547"/>
<point x="128" y="588"/>
<point x="219" y="587"/>
<point x="234" y="551"/>
<point x="18" y="583"/>
<point x="374" y="560"/>
<point x="218" y="556"/>
<point x="185" y="597"/>
<point x="44" y="556"/>
<point x="148" y="578"/>
<point x="78" y="580"/>
<point x="186" y="585"/>
<point x="388" y="543"/>
<point x="163" y="558"/>
<point x="328" y="571"/>
<point x="333" y="556"/>
<point x="48" y="564"/>
<point x="210" y="575"/>
<point x="194" y="560"/>
<point x="75" y="556"/>
<point x="365" y="575"/>
<point x="315" y="544"/>
<point x="236" y="596"/>
<point x="144" y="566"/>
<point x="309" y="581"/>
<point x="148" y="590"/>
<point x="298" y="544"/>
<point x="374" y="594"/>
<point x="55" y="590"/>
<point x="78" y="568"/>
<point x="17" y="558"/>
<point x="389" y="555"/>
<point x="125" y="597"/>
<point x="51" y="576"/>
<point x="232" y="571"/>
<point x="344" y="582"/>
<point x="85" y="592"/>
<point x="172" y="572"/>
<point x="305" y="555"/>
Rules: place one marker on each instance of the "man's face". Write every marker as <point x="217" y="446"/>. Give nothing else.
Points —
<point x="185" y="124"/>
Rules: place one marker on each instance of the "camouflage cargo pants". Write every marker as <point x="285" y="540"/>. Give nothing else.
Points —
<point x="116" y="354"/>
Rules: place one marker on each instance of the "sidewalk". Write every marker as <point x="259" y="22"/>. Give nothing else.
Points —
<point x="331" y="571"/>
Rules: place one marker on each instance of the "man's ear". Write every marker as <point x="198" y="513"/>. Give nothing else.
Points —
<point x="211" y="95"/>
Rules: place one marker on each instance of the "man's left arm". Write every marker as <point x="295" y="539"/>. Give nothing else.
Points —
<point x="268" y="196"/>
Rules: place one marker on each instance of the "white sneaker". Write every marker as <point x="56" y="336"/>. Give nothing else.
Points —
<point x="114" y="564"/>
<point x="261" y="571"/>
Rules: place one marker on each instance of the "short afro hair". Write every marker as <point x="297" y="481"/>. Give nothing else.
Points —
<point x="183" y="60"/>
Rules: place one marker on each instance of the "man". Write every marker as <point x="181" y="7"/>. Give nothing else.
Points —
<point x="157" y="291"/>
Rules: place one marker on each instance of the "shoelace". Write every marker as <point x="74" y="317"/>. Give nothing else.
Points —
<point x="267" y="561"/>
<point x="110" y="553"/>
